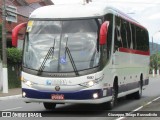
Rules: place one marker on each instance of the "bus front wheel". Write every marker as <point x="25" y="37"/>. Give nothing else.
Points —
<point x="49" y="106"/>
<point x="109" y="105"/>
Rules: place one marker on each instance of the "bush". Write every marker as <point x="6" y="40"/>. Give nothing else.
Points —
<point x="14" y="55"/>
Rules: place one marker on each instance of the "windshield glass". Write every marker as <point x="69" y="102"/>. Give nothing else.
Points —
<point x="47" y="41"/>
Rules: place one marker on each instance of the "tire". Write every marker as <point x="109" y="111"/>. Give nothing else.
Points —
<point x="111" y="104"/>
<point x="138" y="94"/>
<point x="49" y="106"/>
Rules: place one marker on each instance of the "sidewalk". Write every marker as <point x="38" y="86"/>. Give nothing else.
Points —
<point x="154" y="76"/>
<point x="11" y="92"/>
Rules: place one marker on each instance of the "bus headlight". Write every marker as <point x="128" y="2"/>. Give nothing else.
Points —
<point x="92" y="82"/>
<point x="28" y="83"/>
<point x="88" y="84"/>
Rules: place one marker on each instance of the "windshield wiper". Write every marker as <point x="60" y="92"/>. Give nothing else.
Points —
<point x="71" y="58"/>
<point x="49" y="53"/>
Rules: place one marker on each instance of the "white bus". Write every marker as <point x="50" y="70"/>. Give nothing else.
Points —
<point x="90" y="54"/>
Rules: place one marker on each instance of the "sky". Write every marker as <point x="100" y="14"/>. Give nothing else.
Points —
<point x="146" y="12"/>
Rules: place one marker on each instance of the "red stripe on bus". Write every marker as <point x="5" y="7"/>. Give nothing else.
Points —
<point x="126" y="50"/>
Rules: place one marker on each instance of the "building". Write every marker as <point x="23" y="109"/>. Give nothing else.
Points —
<point x="20" y="11"/>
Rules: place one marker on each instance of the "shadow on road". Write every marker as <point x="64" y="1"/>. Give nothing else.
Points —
<point x="84" y="110"/>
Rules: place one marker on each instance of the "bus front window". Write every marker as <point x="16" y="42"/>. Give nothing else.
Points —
<point x="46" y="43"/>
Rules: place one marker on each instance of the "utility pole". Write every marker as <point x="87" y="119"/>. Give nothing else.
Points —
<point x="4" y="50"/>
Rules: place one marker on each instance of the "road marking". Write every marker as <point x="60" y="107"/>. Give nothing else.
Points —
<point x="11" y="109"/>
<point x="149" y="103"/>
<point x="156" y="99"/>
<point x="137" y="109"/>
<point x="121" y="118"/>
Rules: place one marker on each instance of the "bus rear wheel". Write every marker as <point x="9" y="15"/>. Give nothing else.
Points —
<point x="49" y="106"/>
<point x="138" y="94"/>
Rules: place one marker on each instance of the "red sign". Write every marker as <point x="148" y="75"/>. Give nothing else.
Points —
<point x="57" y="97"/>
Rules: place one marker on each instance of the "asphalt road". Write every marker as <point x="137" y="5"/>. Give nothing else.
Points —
<point x="90" y="112"/>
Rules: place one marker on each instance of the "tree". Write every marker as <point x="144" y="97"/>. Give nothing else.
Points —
<point x="155" y="61"/>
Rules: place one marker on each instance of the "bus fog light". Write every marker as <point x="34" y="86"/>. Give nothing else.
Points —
<point x="24" y="94"/>
<point x="95" y="95"/>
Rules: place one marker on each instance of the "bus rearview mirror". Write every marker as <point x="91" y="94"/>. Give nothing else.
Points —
<point x="15" y="32"/>
<point x="103" y="32"/>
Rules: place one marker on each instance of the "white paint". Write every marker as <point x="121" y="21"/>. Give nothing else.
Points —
<point x="148" y="103"/>
<point x="121" y="118"/>
<point x="156" y="99"/>
<point x="5" y="80"/>
<point x="11" y="109"/>
<point x="137" y="109"/>
<point x="153" y="72"/>
<point x="66" y="11"/>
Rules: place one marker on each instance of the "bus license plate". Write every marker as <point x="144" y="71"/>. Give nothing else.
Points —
<point x="57" y="97"/>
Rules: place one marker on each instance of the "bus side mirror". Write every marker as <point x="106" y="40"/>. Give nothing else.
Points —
<point x="103" y="32"/>
<point x="15" y="32"/>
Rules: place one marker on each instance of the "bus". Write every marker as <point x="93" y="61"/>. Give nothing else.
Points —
<point x="91" y="54"/>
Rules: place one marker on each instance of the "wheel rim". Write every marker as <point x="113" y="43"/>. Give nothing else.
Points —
<point x="113" y="97"/>
<point x="140" y="90"/>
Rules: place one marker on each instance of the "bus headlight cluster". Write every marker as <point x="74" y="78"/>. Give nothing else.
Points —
<point x="92" y="82"/>
<point x="28" y="83"/>
<point x="88" y="84"/>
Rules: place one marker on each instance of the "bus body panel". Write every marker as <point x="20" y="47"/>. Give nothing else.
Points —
<point x="126" y="65"/>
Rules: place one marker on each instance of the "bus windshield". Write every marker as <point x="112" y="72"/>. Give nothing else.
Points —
<point x="46" y="43"/>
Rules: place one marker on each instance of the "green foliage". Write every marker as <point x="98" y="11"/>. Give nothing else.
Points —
<point x="155" y="61"/>
<point x="14" y="55"/>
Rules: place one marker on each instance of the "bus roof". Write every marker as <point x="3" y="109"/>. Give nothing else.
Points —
<point x="78" y="11"/>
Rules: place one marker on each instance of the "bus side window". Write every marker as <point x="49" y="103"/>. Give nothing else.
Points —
<point x="109" y="17"/>
<point x="124" y="34"/>
<point x="117" y="36"/>
<point x="142" y="39"/>
<point x="129" y="36"/>
<point x="138" y="38"/>
<point x="134" y="36"/>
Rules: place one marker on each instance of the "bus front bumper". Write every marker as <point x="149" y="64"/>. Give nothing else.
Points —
<point x="84" y="96"/>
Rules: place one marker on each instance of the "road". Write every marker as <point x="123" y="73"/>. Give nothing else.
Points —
<point x="90" y="112"/>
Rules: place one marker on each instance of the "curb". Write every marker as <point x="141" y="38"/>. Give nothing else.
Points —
<point x="11" y="97"/>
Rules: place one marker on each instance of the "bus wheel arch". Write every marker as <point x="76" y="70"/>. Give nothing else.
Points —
<point x="138" y="94"/>
<point x="113" y="101"/>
